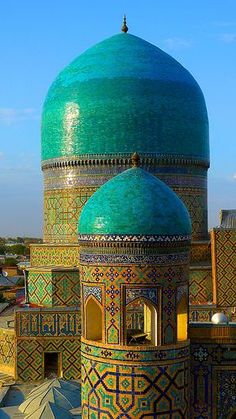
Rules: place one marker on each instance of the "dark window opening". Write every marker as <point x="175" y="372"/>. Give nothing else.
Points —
<point x="52" y="364"/>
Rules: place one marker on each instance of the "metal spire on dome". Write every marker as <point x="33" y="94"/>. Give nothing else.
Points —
<point x="135" y="160"/>
<point x="124" y="26"/>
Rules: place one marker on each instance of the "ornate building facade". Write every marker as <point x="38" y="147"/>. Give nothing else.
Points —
<point x="131" y="263"/>
<point x="134" y="254"/>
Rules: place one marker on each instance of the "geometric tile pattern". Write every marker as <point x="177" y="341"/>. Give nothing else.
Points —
<point x="225" y="391"/>
<point x="169" y="315"/>
<point x="129" y="274"/>
<point x="200" y="286"/>
<point x="224" y="265"/>
<point x="7" y="351"/>
<point x="196" y="203"/>
<point x="66" y="289"/>
<point x="54" y="288"/>
<point x="40" y="288"/>
<point x="61" y="213"/>
<point x="54" y="255"/>
<point x="30" y="357"/>
<point x="200" y="252"/>
<point x="131" y="238"/>
<point x="120" y="259"/>
<point x="129" y="390"/>
<point x="67" y="189"/>
<point x="213" y="380"/>
<point x="95" y="291"/>
<point x="104" y="353"/>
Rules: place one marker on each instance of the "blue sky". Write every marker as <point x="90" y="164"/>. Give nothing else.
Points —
<point x="39" y="38"/>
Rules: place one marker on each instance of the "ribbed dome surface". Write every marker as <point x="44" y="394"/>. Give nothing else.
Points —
<point x="55" y="382"/>
<point x="134" y="202"/>
<point x="121" y="95"/>
<point x="62" y="398"/>
<point x="50" y="411"/>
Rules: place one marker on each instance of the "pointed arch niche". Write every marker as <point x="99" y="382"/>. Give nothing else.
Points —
<point x="182" y="315"/>
<point x="93" y="320"/>
<point x="141" y="323"/>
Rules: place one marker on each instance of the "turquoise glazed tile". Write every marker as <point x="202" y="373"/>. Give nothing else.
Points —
<point x="134" y="202"/>
<point x="124" y="95"/>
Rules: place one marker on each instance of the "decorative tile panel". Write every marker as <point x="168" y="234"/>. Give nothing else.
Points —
<point x="224" y="266"/>
<point x="94" y="291"/>
<point x="44" y="255"/>
<point x="200" y="286"/>
<point x="30" y="357"/>
<point x="150" y="294"/>
<point x="47" y="323"/>
<point x="133" y="390"/>
<point x="7" y="351"/>
<point x="54" y="287"/>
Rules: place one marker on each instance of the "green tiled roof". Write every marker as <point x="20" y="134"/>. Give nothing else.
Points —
<point x="134" y="202"/>
<point x="124" y="95"/>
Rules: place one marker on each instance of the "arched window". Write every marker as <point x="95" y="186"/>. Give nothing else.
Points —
<point x="93" y="320"/>
<point x="182" y="318"/>
<point x="141" y="323"/>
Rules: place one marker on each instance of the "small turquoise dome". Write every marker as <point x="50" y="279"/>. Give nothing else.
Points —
<point x="134" y="202"/>
<point x="124" y="94"/>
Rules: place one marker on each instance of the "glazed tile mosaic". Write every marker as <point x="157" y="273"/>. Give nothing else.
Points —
<point x="109" y="287"/>
<point x="110" y="391"/>
<point x="7" y="351"/>
<point x="224" y="265"/>
<point x="201" y="286"/>
<point x="48" y="323"/>
<point x="54" y="288"/>
<point x="50" y="331"/>
<point x="213" y="377"/>
<point x="30" y="366"/>
<point x="54" y="255"/>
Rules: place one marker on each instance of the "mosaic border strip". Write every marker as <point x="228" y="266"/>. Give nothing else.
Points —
<point x="133" y="238"/>
<point x="122" y="159"/>
<point x="143" y="259"/>
<point x="138" y="354"/>
<point x="74" y="177"/>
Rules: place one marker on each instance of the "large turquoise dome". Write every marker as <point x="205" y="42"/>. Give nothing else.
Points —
<point x="134" y="202"/>
<point x="121" y="95"/>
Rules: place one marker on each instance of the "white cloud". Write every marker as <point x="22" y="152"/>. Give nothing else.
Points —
<point x="176" y="43"/>
<point x="10" y="116"/>
<point x="1" y="154"/>
<point x="228" y="38"/>
<point x="234" y="176"/>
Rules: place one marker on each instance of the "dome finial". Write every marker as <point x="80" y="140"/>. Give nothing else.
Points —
<point x="135" y="160"/>
<point x="124" y="26"/>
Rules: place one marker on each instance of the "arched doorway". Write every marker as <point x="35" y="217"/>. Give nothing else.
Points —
<point x="141" y="326"/>
<point x="93" y="320"/>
